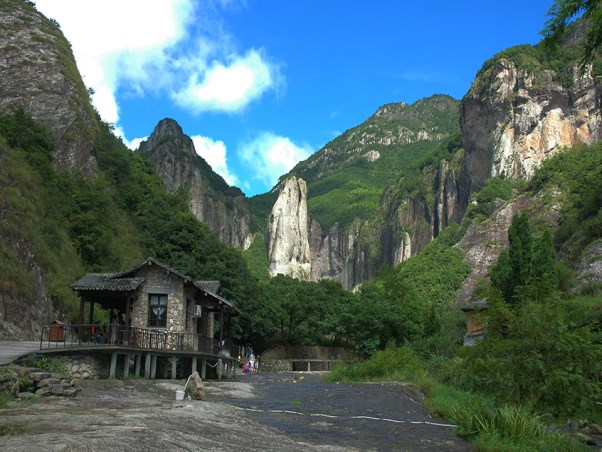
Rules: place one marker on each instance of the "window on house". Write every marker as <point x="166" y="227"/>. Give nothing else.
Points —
<point x="157" y="310"/>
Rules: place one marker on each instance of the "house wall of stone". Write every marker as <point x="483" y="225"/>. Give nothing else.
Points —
<point x="160" y="281"/>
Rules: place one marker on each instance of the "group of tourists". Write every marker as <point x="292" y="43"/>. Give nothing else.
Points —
<point x="250" y="364"/>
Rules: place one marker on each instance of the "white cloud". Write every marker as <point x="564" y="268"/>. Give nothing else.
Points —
<point x="228" y="87"/>
<point x="101" y="33"/>
<point x="269" y="156"/>
<point x="214" y="152"/>
<point x="176" y="47"/>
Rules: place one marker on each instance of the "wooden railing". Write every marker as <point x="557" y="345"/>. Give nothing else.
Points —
<point x="80" y="336"/>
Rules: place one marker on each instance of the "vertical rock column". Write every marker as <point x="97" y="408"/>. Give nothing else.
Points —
<point x="288" y="230"/>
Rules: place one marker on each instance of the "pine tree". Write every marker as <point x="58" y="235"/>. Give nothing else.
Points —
<point x="545" y="280"/>
<point x="512" y="273"/>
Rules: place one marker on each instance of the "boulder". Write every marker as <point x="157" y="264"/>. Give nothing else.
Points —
<point x="195" y="389"/>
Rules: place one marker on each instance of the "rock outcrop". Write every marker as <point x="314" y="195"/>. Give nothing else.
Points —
<point x="299" y="247"/>
<point x="224" y="209"/>
<point x="513" y="119"/>
<point x="287" y="232"/>
<point x="38" y="73"/>
<point x="29" y="382"/>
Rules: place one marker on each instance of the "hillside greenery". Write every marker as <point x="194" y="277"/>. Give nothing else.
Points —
<point x="77" y="224"/>
<point x="347" y="177"/>
<point x="536" y="59"/>
<point x="540" y="361"/>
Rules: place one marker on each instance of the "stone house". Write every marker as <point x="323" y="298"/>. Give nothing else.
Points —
<point x="153" y="296"/>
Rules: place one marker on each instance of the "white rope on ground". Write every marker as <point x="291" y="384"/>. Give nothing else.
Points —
<point x="215" y="365"/>
<point x="384" y="419"/>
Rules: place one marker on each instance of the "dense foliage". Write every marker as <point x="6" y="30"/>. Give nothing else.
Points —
<point x="106" y="223"/>
<point x="560" y="14"/>
<point x="577" y="174"/>
<point x="542" y="57"/>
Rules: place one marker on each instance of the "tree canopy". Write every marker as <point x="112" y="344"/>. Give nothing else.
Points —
<point x="560" y="15"/>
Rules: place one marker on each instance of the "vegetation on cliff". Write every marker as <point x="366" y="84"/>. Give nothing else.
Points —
<point x="347" y="177"/>
<point x="77" y="224"/>
<point x="541" y="357"/>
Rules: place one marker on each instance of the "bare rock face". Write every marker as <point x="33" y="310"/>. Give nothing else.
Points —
<point x="224" y="209"/>
<point x="21" y="317"/>
<point x="332" y="253"/>
<point x="589" y="267"/>
<point x="38" y="73"/>
<point x="511" y="120"/>
<point x="298" y="247"/>
<point x="287" y="232"/>
<point x="483" y="243"/>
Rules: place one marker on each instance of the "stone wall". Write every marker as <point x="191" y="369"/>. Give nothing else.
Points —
<point x="88" y="367"/>
<point x="307" y="352"/>
<point x="275" y="365"/>
<point x="160" y="281"/>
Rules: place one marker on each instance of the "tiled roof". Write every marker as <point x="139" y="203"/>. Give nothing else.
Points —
<point x="106" y="281"/>
<point x="120" y="282"/>
<point x="149" y="261"/>
<point x="475" y="306"/>
<point x="209" y="286"/>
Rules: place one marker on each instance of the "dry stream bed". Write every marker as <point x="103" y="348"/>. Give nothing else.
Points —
<point x="280" y="411"/>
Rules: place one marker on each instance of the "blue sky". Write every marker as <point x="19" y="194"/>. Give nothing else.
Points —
<point x="262" y="84"/>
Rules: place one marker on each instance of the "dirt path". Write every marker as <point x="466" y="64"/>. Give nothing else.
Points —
<point x="273" y="412"/>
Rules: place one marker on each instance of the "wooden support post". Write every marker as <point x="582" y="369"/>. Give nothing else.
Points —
<point x="127" y="313"/>
<point x="219" y="369"/>
<point x="308" y="366"/>
<point x="81" y="320"/>
<point x="194" y="364"/>
<point x="138" y="359"/>
<point x="203" y="368"/>
<point x="153" y="367"/>
<point x="91" y="314"/>
<point x="221" y="325"/>
<point x="147" y="365"/>
<point x="126" y="367"/>
<point x="113" y="365"/>
<point x="174" y="367"/>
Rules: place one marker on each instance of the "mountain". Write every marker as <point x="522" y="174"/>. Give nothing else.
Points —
<point x="73" y="199"/>
<point x="223" y="208"/>
<point x="55" y="96"/>
<point x="380" y="192"/>
<point x="346" y="181"/>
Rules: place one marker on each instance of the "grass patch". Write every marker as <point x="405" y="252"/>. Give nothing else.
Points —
<point x="53" y="364"/>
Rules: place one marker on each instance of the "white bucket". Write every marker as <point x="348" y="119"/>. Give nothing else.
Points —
<point x="179" y="395"/>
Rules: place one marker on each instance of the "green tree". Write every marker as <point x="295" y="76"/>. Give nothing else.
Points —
<point x="545" y="281"/>
<point x="562" y="12"/>
<point x="513" y="271"/>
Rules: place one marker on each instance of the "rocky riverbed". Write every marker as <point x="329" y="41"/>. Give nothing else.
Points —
<point x="281" y="411"/>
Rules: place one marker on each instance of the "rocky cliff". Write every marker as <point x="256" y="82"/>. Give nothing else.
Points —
<point x="38" y="73"/>
<point x="224" y="209"/>
<point x="512" y="118"/>
<point x="287" y="231"/>
<point x="393" y="140"/>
